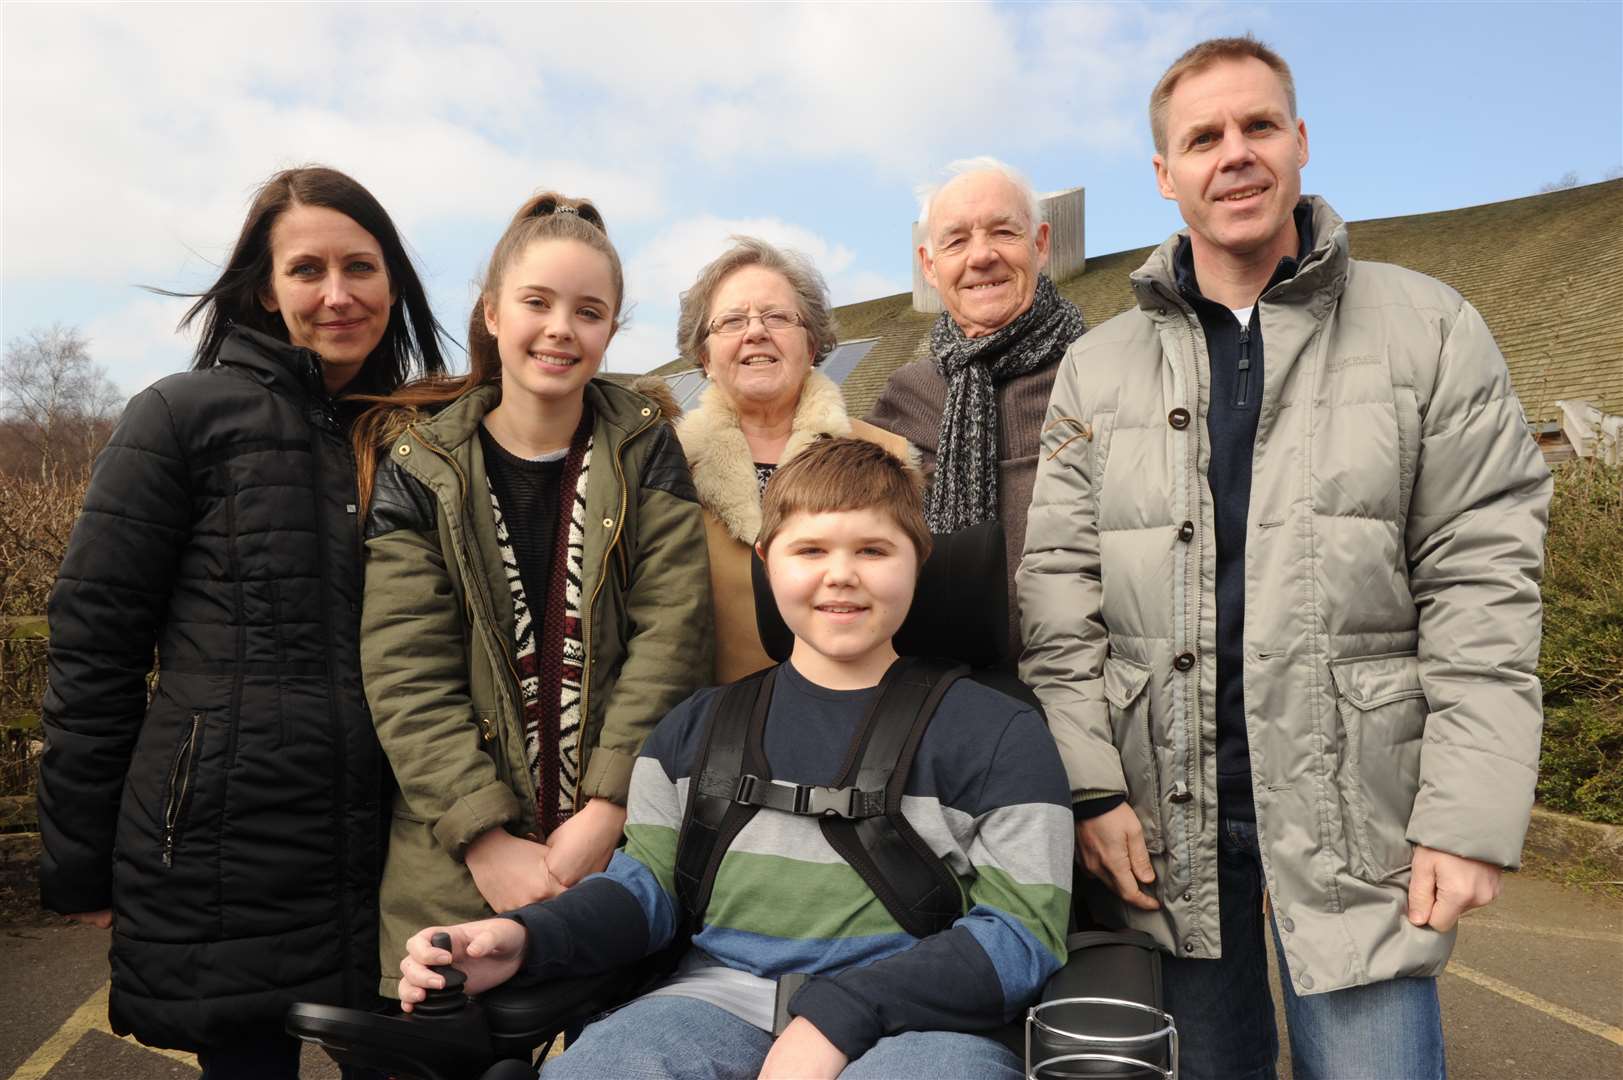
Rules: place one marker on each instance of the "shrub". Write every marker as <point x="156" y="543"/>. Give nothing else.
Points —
<point x="1581" y="662"/>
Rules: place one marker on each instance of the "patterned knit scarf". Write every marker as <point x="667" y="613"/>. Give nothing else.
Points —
<point x="965" y="488"/>
<point x="551" y="663"/>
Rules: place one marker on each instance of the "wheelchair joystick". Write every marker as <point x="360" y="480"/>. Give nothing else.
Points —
<point x="449" y="999"/>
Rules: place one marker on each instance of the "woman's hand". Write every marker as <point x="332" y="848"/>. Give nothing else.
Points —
<point x="510" y="872"/>
<point x="583" y="844"/>
<point x="488" y="952"/>
<point x="803" y="1053"/>
<point x="101" y="920"/>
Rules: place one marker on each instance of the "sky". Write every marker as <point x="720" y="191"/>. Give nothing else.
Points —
<point x="135" y="134"/>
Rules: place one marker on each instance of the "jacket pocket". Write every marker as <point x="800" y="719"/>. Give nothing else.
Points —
<point x="1130" y="724"/>
<point x="178" y="787"/>
<point x="1383" y="718"/>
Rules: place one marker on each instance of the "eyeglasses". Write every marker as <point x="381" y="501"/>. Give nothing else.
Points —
<point x="736" y="322"/>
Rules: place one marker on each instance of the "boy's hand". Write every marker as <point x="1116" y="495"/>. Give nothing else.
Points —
<point x="585" y="843"/>
<point x="509" y="871"/>
<point x="488" y="952"/>
<point x="1442" y="887"/>
<point x="1112" y="848"/>
<point x="803" y="1053"/>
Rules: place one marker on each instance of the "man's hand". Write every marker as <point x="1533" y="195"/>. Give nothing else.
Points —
<point x="510" y="872"/>
<point x="1112" y="848"/>
<point x="583" y="844"/>
<point x="488" y="952"/>
<point x="802" y="1053"/>
<point x="101" y="920"/>
<point x="1442" y="887"/>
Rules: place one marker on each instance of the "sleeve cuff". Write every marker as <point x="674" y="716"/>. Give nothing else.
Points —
<point x="473" y="815"/>
<point x="843" y="1019"/>
<point x="608" y="775"/>
<point x="1091" y="806"/>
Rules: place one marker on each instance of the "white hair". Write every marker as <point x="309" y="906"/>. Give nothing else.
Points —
<point x="985" y="163"/>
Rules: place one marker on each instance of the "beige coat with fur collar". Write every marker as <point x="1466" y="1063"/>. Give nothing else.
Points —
<point x="724" y="474"/>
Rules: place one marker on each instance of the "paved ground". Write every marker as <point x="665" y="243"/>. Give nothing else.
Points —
<point x="1535" y="992"/>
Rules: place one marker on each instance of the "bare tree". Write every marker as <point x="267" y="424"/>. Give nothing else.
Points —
<point x="55" y="401"/>
<point x="1569" y="179"/>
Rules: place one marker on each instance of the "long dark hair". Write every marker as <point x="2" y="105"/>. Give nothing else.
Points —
<point x="411" y="343"/>
<point x="547" y="216"/>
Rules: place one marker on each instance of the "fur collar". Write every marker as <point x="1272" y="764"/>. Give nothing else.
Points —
<point x="720" y="459"/>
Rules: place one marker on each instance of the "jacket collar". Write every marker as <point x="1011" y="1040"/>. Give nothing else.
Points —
<point x="274" y="362"/>
<point x="1321" y="271"/>
<point x="623" y="411"/>
<point x="720" y="459"/>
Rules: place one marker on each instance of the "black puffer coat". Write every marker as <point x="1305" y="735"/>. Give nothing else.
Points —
<point x="233" y="823"/>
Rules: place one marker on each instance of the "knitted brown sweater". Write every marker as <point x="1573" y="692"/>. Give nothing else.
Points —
<point x="911" y="407"/>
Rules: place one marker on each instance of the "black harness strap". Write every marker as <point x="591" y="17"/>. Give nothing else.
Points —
<point x="861" y="818"/>
<point x="918" y="889"/>
<point x="713" y="818"/>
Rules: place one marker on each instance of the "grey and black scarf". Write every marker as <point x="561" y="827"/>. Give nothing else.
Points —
<point x="965" y="488"/>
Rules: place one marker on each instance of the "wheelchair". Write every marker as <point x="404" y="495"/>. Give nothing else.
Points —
<point x="1099" y="1016"/>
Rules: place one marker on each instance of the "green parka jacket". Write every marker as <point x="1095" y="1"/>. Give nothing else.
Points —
<point x="437" y="640"/>
<point x="1393" y="553"/>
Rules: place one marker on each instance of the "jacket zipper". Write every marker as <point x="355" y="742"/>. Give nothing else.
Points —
<point x="478" y="581"/>
<point x="180" y="782"/>
<point x="586" y="614"/>
<point x="1241" y="391"/>
<point x="322" y="422"/>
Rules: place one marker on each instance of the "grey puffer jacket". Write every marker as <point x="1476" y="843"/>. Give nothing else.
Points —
<point x="1392" y="610"/>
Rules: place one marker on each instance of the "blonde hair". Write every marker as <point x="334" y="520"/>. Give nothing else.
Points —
<point x="835" y="475"/>
<point x="1203" y="56"/>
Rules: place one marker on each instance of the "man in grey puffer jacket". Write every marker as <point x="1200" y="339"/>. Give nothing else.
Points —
<point x="1282" y="605"/>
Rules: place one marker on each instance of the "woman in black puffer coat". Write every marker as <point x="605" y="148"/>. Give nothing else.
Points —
<point x="230" y="828"/>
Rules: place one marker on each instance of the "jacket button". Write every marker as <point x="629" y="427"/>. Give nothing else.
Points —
<point x="1188" y="896"/>
<point x="1186" y="531"/>
<point x="1185" y="661"/>
<point x="1306" y="981"/>
<point x="1286" y="925"/>
<point x="404" y="450"/>
<point x="648" y="412"/>
<point x="608" y="523"/>
<point x="1189" y="946"/>
<point x="1178" y="418"/>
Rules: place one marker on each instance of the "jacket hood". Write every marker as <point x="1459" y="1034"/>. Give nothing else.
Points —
<point x="1323" y="273"/>
<point x="719" y="456"/>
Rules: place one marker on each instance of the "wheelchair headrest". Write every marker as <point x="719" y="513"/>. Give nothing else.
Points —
<point x="960" y="609"/>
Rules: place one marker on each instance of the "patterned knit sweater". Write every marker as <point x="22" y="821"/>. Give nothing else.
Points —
<point x="987" y="792"/>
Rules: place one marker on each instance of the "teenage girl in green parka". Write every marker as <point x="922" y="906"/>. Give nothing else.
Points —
<point x="537" y="593"/>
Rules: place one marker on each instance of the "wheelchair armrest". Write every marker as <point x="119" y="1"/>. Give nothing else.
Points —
<point x="439" y="1048"/>
<point x="523" y="1016"/>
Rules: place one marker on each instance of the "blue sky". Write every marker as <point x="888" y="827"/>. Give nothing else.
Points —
<point x="133" y="135"/>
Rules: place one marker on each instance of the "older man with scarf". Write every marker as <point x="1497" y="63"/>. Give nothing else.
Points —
<point x="974" y="407"/>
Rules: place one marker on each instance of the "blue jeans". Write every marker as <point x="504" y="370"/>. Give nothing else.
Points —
<point x="677" y="1038"/>
<point x="1225" y="1013"/>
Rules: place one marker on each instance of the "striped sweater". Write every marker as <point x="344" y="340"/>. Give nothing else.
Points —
<point x="987" y="792"/>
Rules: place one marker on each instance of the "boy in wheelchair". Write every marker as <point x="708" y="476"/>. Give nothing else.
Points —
<point x="781" y="897"/>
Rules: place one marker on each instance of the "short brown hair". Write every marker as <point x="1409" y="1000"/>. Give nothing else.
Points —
<point x="1200" y="58"/>
<point x="811" y="296"/>
<point x="835" y="475"/>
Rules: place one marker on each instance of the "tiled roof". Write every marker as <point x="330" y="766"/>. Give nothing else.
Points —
<point x="1546" y="272"/>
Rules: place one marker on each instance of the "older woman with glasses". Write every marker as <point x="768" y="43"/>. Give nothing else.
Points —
<point x="758" y="322"/>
